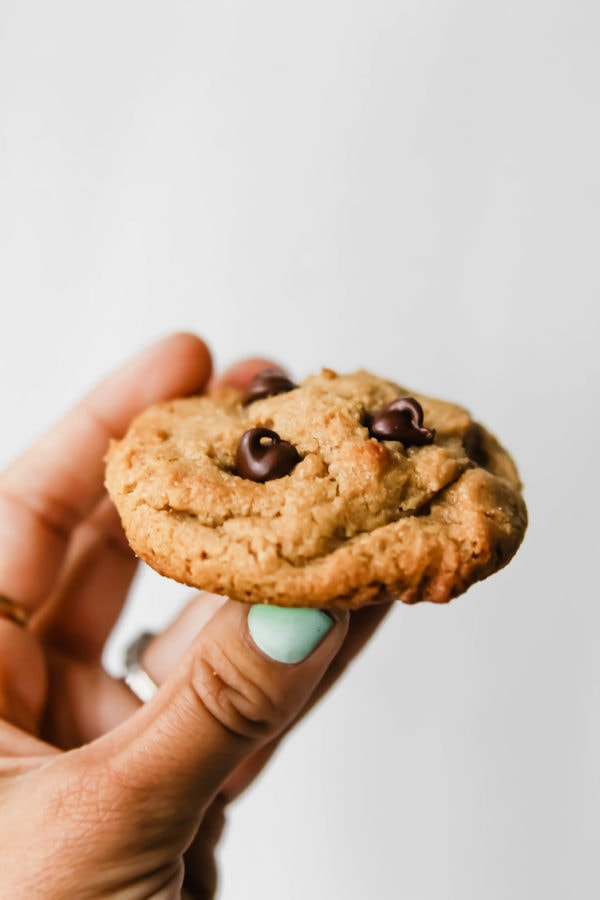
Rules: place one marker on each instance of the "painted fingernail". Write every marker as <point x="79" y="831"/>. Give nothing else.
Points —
<point x="287" y="635"/>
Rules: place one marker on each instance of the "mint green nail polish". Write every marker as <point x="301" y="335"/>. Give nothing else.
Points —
<point x="287" y="635"/>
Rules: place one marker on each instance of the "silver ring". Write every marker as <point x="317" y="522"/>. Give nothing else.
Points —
<point x="136" y="678"/>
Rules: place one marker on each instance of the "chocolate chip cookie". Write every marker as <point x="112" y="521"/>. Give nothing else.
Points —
<point x="337" y="492"/>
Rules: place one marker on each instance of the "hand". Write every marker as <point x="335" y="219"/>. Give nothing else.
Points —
<point x="102" y="796"/>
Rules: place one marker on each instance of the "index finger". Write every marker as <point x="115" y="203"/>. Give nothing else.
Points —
<point x="241" y="373"/>
<point x="47" y="491"/>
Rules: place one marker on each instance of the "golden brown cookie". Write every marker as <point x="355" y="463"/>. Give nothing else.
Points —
<point x="337" y="492"/>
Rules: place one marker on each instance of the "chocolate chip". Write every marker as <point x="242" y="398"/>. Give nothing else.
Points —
<point x="267" y="383"/>
<point x="474" y="444"/>
<point x="262" y="455"/>
<point x="401" y="420"/>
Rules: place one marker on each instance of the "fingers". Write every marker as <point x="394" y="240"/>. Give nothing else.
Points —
<point x="23" y="678"/>
<point x="240" y="374"/>
<point x="244" y="678"/>
<point x="362" y="626"/>
<point x="86" y="702"/>
<point x="201" y="875"/>
<point x="162" y="654"/>
<point x="97" y="574"/>
<point x="55" y="484"/>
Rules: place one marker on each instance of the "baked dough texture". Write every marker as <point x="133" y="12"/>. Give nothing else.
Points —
<point x="356" y="521"/>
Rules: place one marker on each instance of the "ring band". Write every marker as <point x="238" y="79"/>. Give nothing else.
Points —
<point x="12" y="611"/>
<point x="136" y="678"/>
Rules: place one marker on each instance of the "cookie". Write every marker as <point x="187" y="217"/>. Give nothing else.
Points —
<point x="337" y="492"/>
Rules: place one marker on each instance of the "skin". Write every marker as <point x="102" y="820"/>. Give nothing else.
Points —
<point x="102" y="796"/>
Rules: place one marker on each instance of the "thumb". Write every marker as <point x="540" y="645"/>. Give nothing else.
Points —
<point x="247" y="674"/>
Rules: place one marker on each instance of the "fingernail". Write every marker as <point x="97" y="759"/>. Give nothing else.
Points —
<point x="287" y="635"/>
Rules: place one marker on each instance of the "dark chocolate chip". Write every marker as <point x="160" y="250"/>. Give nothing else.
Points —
<point x="401" y="420"/>
<point x="474" y="444"/>
<point x="267" y="383"/>
<point x="262" y="455"/>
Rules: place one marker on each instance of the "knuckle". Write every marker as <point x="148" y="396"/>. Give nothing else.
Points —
<point x="234" y="698"/>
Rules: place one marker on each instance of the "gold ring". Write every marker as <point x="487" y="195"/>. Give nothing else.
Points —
<point x="12" y="611"/>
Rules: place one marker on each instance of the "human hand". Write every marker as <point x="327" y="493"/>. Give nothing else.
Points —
<point x="102" y="796"/>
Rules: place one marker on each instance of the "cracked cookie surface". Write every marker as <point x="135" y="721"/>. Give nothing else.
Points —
<point x="357" y="519"/>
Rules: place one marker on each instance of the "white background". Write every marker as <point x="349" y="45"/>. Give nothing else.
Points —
<point x="412" y="186"/>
